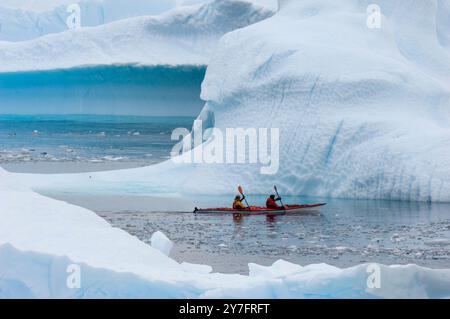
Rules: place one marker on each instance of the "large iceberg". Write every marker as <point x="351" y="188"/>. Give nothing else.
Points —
<point x="363" y="112"/>
<point x="51" y="249"/>
<point x="186" y="35"/>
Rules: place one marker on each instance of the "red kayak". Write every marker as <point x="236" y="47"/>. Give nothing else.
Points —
<point x="253" y="210"/>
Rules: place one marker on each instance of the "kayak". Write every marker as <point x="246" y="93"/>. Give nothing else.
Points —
<point x="253" y="210"/>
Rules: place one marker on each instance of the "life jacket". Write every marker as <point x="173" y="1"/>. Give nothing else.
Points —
<point x="237" y="204"/>
<point x="271" y="203"/>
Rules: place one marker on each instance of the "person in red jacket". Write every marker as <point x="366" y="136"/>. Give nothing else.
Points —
<point x="271" y="202"/>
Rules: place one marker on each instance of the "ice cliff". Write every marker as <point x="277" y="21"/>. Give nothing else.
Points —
<point x="363" y="113"/>
<point x="186" y="35"/>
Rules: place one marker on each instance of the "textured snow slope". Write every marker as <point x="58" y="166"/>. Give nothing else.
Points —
<point x="44" y="242"/>
<point x="26" y="23"/>
<point x="186" y="35"/>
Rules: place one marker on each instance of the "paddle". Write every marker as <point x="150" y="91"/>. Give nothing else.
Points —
<point x="241" y="191"/>
<point x="276" y="191"/>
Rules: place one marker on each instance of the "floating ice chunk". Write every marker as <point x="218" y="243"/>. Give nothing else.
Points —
<point x="278" y="269"/>
<point x="112" y="158"/>
<point x="395" y="238"/>
<point x="160" y="242"/>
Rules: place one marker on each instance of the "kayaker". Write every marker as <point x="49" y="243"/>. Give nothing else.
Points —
<point x="238" y="204"/>
<point x="271" y="202"/>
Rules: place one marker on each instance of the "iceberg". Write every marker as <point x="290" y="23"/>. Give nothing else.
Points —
<point x="26" y="22"/>
<point x="362" y="112"/>
<point x="106" y="89"/>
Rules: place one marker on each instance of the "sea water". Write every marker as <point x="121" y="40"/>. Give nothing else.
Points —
<point x="343" y="233"/>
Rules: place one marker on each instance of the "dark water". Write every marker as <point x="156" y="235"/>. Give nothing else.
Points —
<point x="344" y="233"/>
<point x="87" y="138"/>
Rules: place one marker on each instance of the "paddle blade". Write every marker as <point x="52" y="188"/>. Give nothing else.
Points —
<point x="275" y="188"/>
<point x="240" y="190"/>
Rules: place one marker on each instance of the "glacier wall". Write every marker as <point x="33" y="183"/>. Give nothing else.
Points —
<point x="109" y="90"/>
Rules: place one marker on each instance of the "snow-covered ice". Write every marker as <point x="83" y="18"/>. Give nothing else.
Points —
<point x="28" y="22"/>
<point x="183" y="36"/>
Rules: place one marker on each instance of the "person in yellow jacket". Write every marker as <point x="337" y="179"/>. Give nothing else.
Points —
<point x="237" y="203"/>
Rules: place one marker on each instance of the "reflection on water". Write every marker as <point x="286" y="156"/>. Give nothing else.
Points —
<point x="344" y="233"/>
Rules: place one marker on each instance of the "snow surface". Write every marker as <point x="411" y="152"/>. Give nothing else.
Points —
<point x="43" y="241"/>
<point x="185" y="35"/>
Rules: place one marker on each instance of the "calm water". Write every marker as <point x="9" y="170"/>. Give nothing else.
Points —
<point x="344" y="233"/>
<point x="86" y="139"/>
